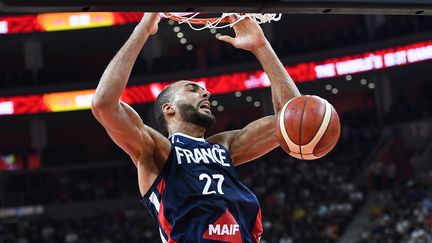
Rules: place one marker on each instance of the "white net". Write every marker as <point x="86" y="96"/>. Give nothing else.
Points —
<point x="218" y="23"/>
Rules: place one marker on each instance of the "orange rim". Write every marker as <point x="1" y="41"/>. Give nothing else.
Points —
<point x="201" y="21"/>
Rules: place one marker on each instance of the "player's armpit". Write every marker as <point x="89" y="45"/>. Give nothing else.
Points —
<point x="251" y="142"/>
<point x="128" y="131"/>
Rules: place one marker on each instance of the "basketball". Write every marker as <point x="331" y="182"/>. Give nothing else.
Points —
<point x="307" y="127"/>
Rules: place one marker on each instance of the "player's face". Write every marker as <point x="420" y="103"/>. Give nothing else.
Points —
<point x="194" y="105"/>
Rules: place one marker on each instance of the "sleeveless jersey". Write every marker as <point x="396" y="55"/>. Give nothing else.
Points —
<point x="198" y="196"/>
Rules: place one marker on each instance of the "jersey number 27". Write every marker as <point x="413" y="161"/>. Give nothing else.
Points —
<point x="220" y="178"/>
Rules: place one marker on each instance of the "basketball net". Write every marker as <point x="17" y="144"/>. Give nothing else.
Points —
<point x="193" y="20"/>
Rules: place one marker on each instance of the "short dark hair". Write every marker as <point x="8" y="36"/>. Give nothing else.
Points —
<point x="164" y="97"/>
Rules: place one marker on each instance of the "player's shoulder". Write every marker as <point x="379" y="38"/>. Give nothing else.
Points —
<point x="224" y="138"/>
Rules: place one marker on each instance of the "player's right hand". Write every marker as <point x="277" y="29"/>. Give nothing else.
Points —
<point x="150" y="21"/>
<point x="248" y="34"/>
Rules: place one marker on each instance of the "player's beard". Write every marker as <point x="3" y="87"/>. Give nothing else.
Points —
<point x="191" y="114"/>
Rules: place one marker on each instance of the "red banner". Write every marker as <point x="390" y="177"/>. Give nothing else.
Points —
<point x="46" y="22"/>
<point x="226" y="83"/>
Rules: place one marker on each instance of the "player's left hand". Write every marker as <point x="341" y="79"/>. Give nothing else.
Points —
<point x="248" y="35"/>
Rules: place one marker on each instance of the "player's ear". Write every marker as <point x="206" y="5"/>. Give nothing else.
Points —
<point x="168" y="108"/>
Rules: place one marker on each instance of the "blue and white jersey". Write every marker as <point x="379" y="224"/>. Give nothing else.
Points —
<point x="198" y="196"/>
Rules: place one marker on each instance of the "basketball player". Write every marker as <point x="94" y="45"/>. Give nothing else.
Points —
<point x="188" y="183"/>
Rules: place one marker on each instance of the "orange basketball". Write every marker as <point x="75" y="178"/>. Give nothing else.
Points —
<point x="307" y="127"/>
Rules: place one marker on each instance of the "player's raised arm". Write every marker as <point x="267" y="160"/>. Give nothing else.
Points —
<point x="122" y="123"/>
<point x="250" y="37"/>
<point x="258" y="138"/>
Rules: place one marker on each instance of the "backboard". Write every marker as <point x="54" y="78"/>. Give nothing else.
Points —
<point x="402" y="7"/>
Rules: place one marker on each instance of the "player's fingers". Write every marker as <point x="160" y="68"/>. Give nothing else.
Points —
<point x="227" y="39"/>
<point x="232" y="18"/>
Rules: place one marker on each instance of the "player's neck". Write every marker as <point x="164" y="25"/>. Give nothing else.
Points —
<point x="188" y="129"/>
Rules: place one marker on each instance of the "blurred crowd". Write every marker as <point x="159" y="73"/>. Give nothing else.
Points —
<point x="401" y="214"/>
<point x="301" y="201"/>
<point x="73" y="184"/>
<point x="306" y="202"/>
<point x="293" y="194"/>
<point x="129" y="225"/>
<point x="392" y="166"/>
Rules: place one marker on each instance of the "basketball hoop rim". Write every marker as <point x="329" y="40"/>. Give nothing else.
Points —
<point x="193" y="20"/>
